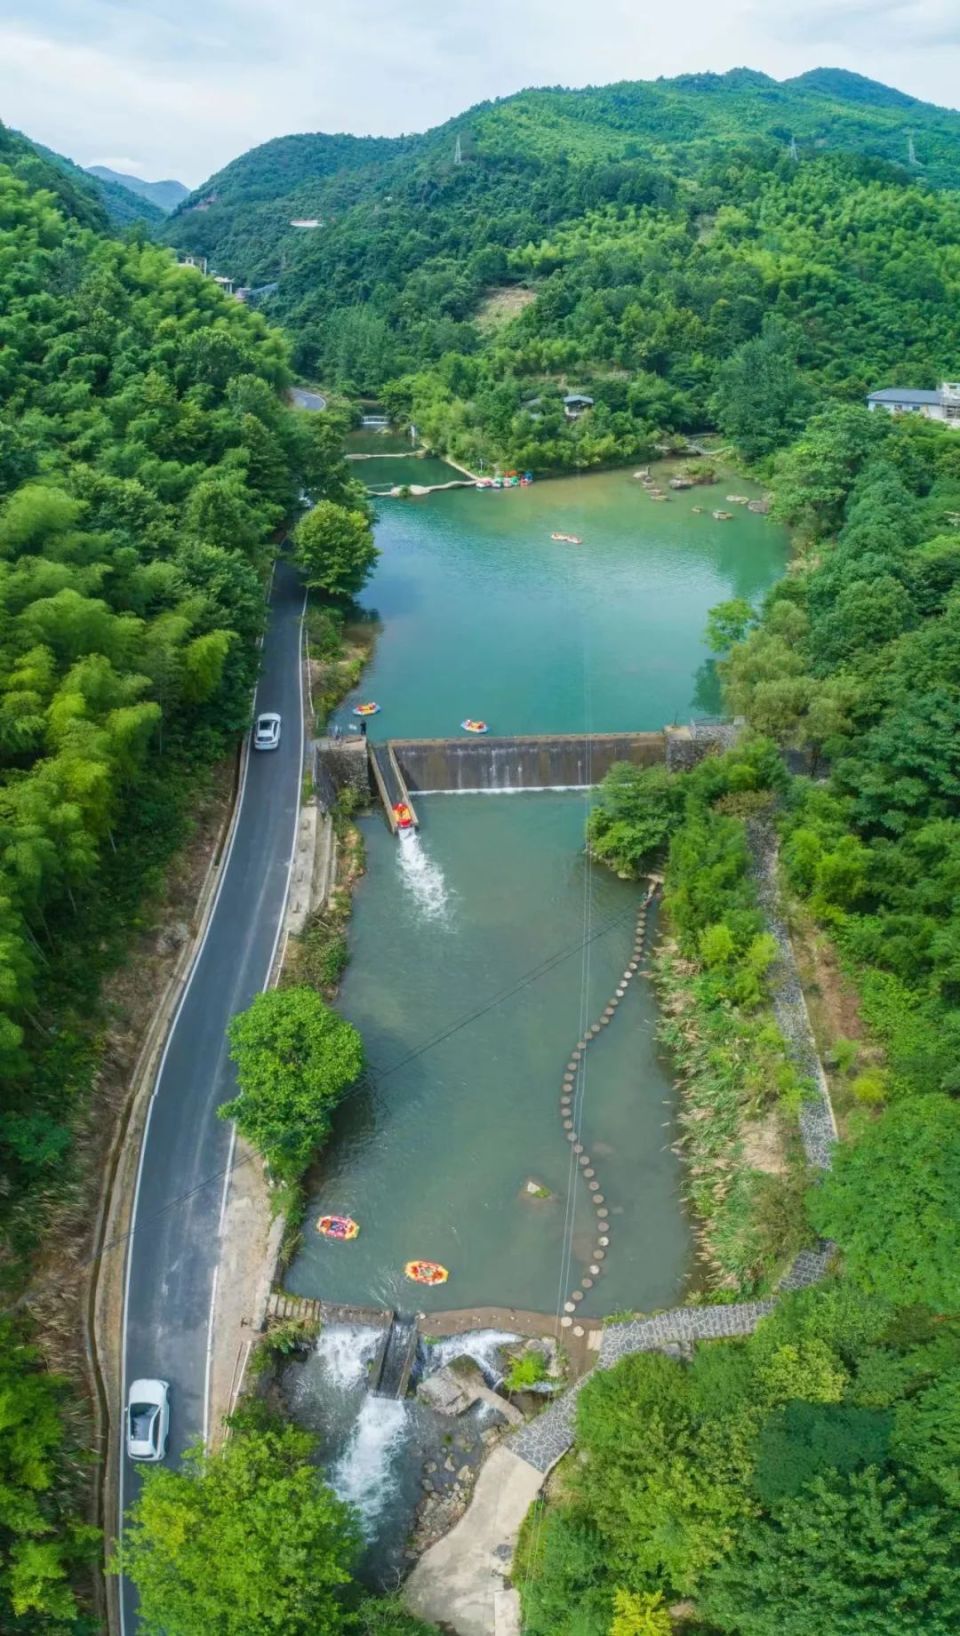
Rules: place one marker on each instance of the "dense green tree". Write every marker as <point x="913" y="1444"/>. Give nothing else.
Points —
<point x="634" y="815"/>
<point x="892" y="1203"/>
<point x="247" y="1537"/>
<point x="41" y="1540"/>
<point x="762" y="399"/>
<point x="854" y="1556"/>
<point x="335" y="549"/>
<point x="295" y="1057"/>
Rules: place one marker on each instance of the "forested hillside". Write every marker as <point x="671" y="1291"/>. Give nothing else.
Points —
<point x="622" y="242"/>
<point x="97" y="202"/>
<point x="146" y="461"/>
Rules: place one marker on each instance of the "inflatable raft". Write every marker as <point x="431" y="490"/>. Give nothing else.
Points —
<point x="369" y="709"/>
<point x="403" y="817"/>
<point x="426" y="1272"/>
<point x="568" y="539"/>
<point x="341" y="1227"/>
<point x="471" y="726"/>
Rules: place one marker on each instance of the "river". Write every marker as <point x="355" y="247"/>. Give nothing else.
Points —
<point x="480" y="950"/>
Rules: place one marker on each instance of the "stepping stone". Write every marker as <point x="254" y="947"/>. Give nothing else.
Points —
<point x="595" y="1269"/>
<point x="584" y="1159"/>
<point x="589" y="1173"/>
<point x="577" y="1148"/>
<point x="565" y="1322"/>
<point x="604" y="1241"/>
<point x="569" y="1079"/>
<point x="572" y="1068"/>
<point x="598" y="1199"/>
<point x="598" y="1255"/>
<point x="634" y="967"/>
<point x="604" y="1022"/>
<point x="602" y="1212"/>
<point x="577" y="1295"/>
<point x="568" y="1306"/>
<point x="571" y="1134"/>
<point x="595" y="1028"/>
<point x="568" y="1124"/>
<point x="587" y="1283"/>
<point x="609" y="1010"/>
<point x="578" y="1330"/>
<point x="621" y="991"/>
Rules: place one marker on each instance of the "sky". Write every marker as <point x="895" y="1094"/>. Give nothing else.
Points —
<point x="176" y="88"/>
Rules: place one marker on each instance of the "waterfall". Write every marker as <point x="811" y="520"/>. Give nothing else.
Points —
<point x="482" y="1345"/>
<point x="345" y="1350"/>
<point x="364" y="1474"/>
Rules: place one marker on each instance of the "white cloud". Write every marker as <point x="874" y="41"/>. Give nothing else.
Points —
<point x="186" y="85"/>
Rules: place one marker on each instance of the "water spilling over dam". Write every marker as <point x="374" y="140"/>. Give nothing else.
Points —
<point x="549" y="761"/>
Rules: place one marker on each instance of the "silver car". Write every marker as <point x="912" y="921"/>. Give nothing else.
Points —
<point x="266" y="733"/>
<point x="148" y="1419"/>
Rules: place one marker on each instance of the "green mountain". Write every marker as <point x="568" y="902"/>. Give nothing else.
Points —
<point x="165" y="195"/>
<point x="242" y="214"/>
<point x="96" y="203"/>
<point x="623" y="241"/>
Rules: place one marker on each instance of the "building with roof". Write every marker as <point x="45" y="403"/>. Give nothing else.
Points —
<point x="575" y="403"/>
<point x="941" y="403"/>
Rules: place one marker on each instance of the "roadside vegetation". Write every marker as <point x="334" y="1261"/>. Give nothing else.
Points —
<point x="251" y="1538"/>
<point x="294" y="1057"/>
<point x="148" y="464"/>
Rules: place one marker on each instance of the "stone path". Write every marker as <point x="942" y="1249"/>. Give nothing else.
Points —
<point x="544" y="1440"/>
<point x="457" y="1582"/>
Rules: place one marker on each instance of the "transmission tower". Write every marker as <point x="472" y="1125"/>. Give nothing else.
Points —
<point x="458" y="153"/>
<point x="911" y="150"/>
<point x="794" y="150"/>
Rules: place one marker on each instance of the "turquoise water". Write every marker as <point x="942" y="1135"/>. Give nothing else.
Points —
<point x="480" y="950"/>
<point x="486" y="616"/>
<point x="476" y="961"/>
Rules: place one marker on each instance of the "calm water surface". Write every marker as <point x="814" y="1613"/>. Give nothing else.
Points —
<point x="480" y="950"/>
<point x="484" y="615"/>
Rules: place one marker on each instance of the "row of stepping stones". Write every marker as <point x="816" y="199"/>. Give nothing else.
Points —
<point x="569" y="1120"/>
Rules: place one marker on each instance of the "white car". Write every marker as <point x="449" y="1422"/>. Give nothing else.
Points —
<point x="148" y="1419"/>
<point x="266" y="733"/>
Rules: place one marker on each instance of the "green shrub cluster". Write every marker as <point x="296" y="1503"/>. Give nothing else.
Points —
<point x="803" y="1479"/>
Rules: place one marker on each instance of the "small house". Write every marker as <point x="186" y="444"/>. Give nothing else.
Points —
<point x="575" y="403"/>
<point x="940" y="403"/>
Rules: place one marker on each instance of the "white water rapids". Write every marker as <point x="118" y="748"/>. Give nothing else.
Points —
<point x="423" y="879"/>
<point x="370" y="1434"/>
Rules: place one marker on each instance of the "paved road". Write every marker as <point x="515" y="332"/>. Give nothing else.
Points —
<point x="174" y="1246"/>
<point x="302" y="399"/>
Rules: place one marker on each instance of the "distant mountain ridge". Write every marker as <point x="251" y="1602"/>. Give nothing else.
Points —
<point x="165" y="195"/>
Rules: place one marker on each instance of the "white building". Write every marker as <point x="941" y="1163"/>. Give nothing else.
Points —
<point x="941" y="404"/>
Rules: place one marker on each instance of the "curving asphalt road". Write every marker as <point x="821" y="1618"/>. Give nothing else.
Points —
<point x="302" y="399"/>
<point x="174" y="1239"/>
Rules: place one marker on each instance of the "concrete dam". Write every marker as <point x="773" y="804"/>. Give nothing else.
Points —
<point x="550" y="761"/>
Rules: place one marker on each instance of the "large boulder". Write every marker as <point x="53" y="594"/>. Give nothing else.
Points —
<point x="450" y="1391"/>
